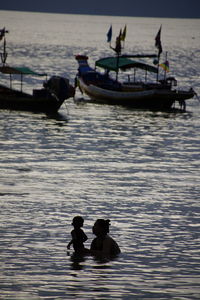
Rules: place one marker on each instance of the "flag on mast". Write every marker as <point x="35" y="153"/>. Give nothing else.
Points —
<point x="120" y="35"/>
<point x="165" y="66"/>
<point x="123" y="35"/>
<point x="158" y="44"/>
<point x="109" y="34"/>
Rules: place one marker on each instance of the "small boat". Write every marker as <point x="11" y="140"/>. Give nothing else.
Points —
<point x="103" y="88"/>
<point x="48" y="99"/>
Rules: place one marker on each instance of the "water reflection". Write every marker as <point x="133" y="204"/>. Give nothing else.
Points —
<point x="77" y="261"/>
<point x="138" y="168"/>
<point x="59" y="116"/>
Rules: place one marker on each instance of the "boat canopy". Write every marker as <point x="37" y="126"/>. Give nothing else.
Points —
<point x="140" y="55"/>
<point x="123" y="63"/>
<point x="20" y="71"/>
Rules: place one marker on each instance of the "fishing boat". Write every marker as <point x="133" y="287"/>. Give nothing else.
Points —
<point x="48" y="98"/>
<point x="160" y="94"/>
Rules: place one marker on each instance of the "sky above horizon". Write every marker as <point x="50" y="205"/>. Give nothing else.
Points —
<point x="142" y="8"/>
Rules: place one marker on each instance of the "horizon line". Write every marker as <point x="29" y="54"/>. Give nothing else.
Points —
<point x="96" y="14"/>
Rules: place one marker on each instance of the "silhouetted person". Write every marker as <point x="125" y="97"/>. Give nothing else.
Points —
<point x="78" y="235"/>
<point x="103" y="244"/>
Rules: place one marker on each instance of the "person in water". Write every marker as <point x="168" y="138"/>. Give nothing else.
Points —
<point x="78" y="235"/>
<point x="103" y="244"/>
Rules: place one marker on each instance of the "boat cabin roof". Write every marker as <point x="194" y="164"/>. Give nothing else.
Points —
<point x="20" y="71"/>
<point x="123" y="63"/>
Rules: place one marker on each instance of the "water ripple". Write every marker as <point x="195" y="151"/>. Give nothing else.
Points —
<point x="138" y="168"/>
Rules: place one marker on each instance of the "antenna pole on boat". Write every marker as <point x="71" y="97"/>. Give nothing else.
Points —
<point x="165" y="67"/>
<point x="158" y="66"/>
<point x="117" y="66"/>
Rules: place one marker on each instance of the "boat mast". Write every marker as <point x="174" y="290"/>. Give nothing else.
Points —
<point x="158" y="45"/>
<point x="158" y="69"/>
<point x="165" y="67"/>
<point x="4" y="54"/>
<point x="117" y="49"/>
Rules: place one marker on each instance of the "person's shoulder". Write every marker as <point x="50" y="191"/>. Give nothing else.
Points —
<point x="81" y="231"/>
<point x="109" y="238"/>
<point x="114" y="247"/>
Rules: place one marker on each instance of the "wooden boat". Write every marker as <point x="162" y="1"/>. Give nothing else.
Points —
<point x="159" y="94"/>
<point x="101" y="88"/>
<point x="48" y="99"/>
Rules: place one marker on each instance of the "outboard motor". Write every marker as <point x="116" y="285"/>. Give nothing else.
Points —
<point x="60" y="87"/>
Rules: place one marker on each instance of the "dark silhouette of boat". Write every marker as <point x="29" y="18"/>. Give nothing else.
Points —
<point x="101" y="88"/>
<point x="48" y="99"/>
<point x="157" y="94"/>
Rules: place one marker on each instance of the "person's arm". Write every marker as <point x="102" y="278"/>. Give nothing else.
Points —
<point x="72" y="240"/>
<point x="68" y="246"/>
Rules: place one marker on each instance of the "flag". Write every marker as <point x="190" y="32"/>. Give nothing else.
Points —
<point x="158" y="41"/>
<point x="165" y="66"/>
<point x="120" y="35"/>
<point x="109" y="34"/>
<point x="123" y="35"/>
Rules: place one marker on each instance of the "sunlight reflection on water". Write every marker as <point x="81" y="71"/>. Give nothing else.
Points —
<point x="138" y="168"/>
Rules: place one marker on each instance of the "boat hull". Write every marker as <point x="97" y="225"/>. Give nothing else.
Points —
<point x="16" y="100"/>
<point x="160" y="99"/>
<point x="46" y="100"/>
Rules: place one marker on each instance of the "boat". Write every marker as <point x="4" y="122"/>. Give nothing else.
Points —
<point x="159" y="94"/>
<point x="47" y="99"/>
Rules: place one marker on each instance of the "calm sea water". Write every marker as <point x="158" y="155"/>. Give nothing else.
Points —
<point x="138" y="168"/>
